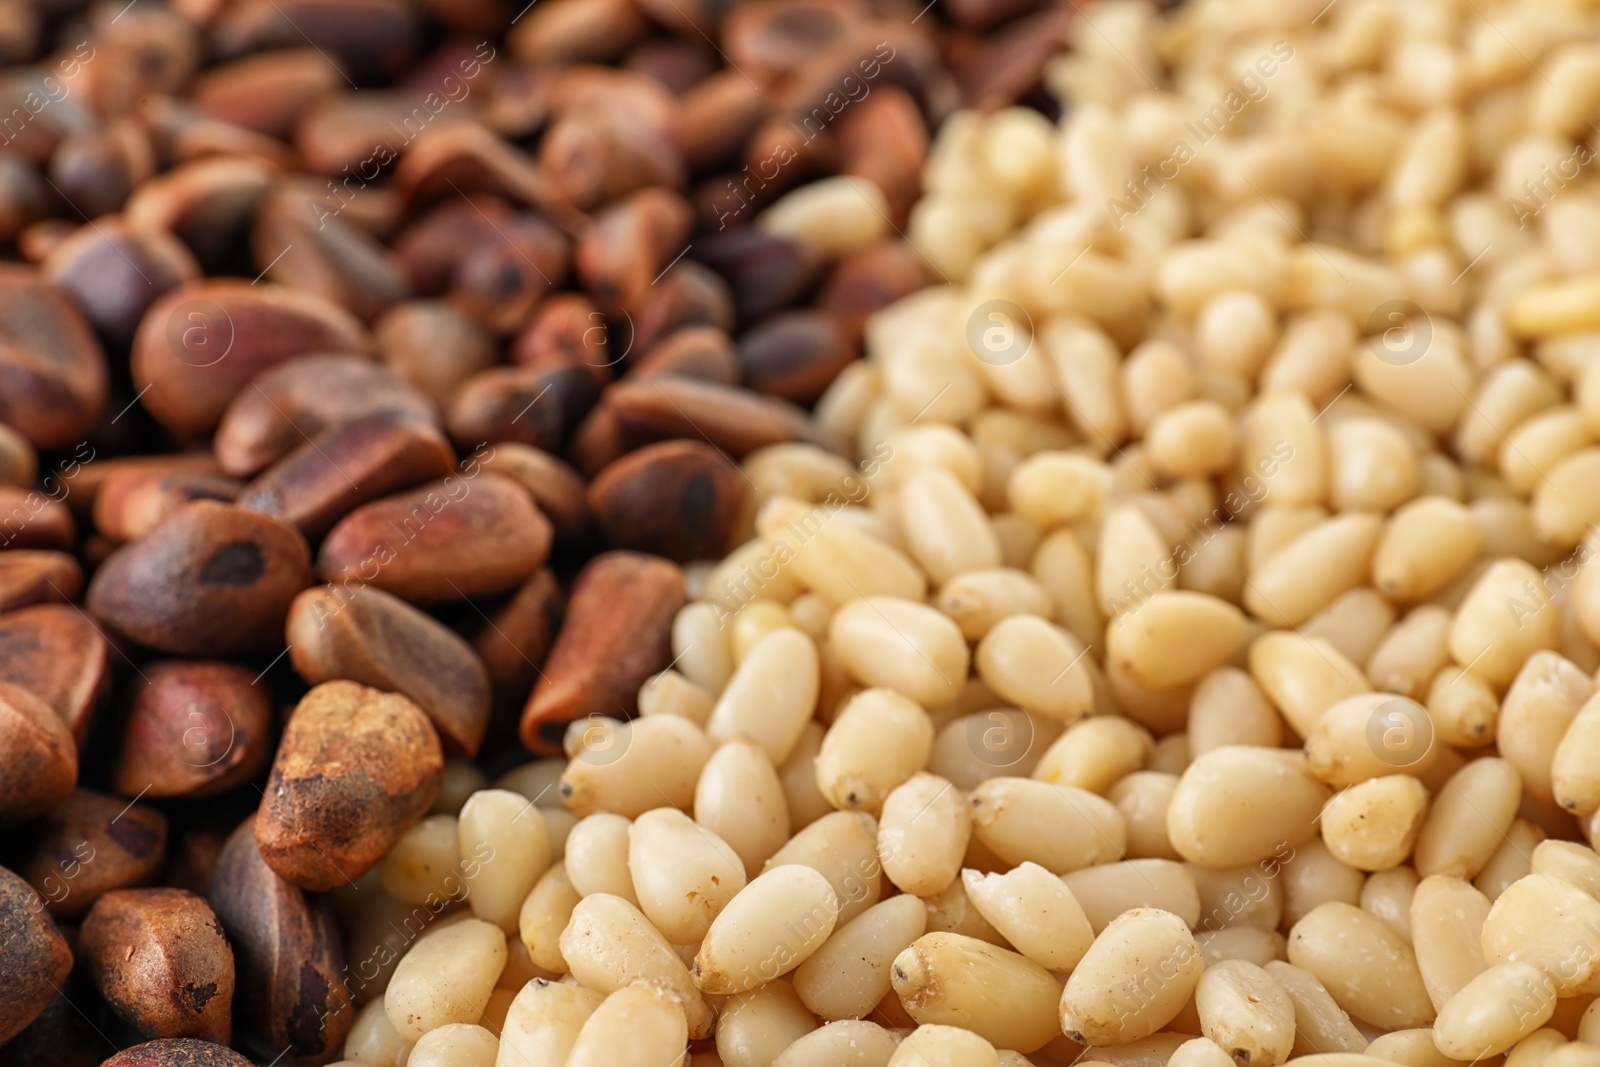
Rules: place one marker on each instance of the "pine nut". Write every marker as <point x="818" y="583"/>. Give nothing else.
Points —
<point x="934" y="1045"/>
<point x="843" y="847"/>
<point x="1095" y="754"/>
<point x="849" y="974"/>
<point x="1175" y="638"/>
<point x="873" y="635"/>
<point x="1493" y="631"/>
<point x="1245" y="1011"/>
<point x="597" y="857"/>
<point x="544" y="1022"/>
<point x="844" y="1043"/>
<point x="878" y="741"/>
<point x="740" y="799"/>
<point x="980" y="598"/>
<point x="682" y="873"/>
<point x="1494" y="1011"/>
<point x="1551" y="923"/>
<point x="1135" y="978"/>
<point x="923" y="834"/>
<point x="1061" y="828"/>
<point x="771" y="696"/>
<point x="446" y="977"/>
<point x="455" y="1045"/>
<point x="1373" y="825"/>
<point x="1237" y="804"/>
<point x="1320" y="1024"/>
<point x="1035" y="912"/>
<point x="1381" y="986"/>
<point x="780" y="919"/>
<point x="608" y="944"/>
<point x="1303" y="677"/>
<point x="1108" y="890"/>
<point x="1537" y="713"/>
<point x="507" y="836"/>
<point x="1426" y="544"/>
<point x="753" y="1027"/>
<point x="545" y="914"/>
<point x="945" y="978"/>
<point x="1036" y="666"/>
<point x="640" y="1023"/>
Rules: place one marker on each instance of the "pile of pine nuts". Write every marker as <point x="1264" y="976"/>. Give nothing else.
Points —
<point x="1197" y="667"/>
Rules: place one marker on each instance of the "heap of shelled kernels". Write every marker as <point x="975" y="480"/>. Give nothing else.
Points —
<point x="1196" y="667"/>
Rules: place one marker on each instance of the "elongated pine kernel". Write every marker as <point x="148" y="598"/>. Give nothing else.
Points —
<point x="1135" y="978"/>
<point x="997" y="994"/>
<point x="768" y="930"/>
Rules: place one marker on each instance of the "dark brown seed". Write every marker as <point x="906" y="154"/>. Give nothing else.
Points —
<point x="37" y="239"/>
<point x="160" y="959"/>
<point x="795" y="355"/>
<point x="885" y="140"/>
<point x="618" y="632"/>
<point x="538" y="406"/>
<point x="18" y="463"/>
<point x="132" y="502"/>
<point x="298" y="242"/>
<point x="704" y="352"/>
<point x="678" y="64"/>
<point x="183" y="133"/>
<point x="772" y="38"/>
<point x="37" y="578"/>
<point x="177" y="1052"/>
<point x="469" y="535"/>
<point x="678" y="499"/>
<point x="1010" y="63"/>
<point x="207" y="203"/>
<point x="567" y="331"/>
<point x="355" y="769"/>
<point x="305" y="397"/>
<point x="52" y="369"/>
<point x="520" y="101"/>
<point x="24" y="198"/>
<point x="432" y="246"/>
<point x="598" y="441"/>
<point x="192" y="729"/>
<point x="718" y="115"/>
<point x="689" y="294"/>
<point x="85" y="481"/>
<point x="96" y="169"/>
<point x="30" y="519"/>
<point x="763" y="271"/>
<point x="736" y="421"/>
<point x="447" y="160"/>
<point x="202" y="343"/>
<point x="556" y="488"/>
<point x="266" y="92"/>
<point x="34" y="957"/>
<point x="629" y="245"/>
<point x="371" y="39"/>
<point x="500" y="282"/>
<point x="346" y="466"/>
<point x="151" y="52"/>
<point x="90" y="844"/>
<point x="212" y="580"/>
<point x="433" y="346"/>
<point x="114" y="274"/>
<point x="287" y="957"/>
<point x="864" y="282"/>
<point x="597" y="155"/>
<point x="56" y="653"/>
<point x="348" y="134"/>
<point x="194" y="856"/>
<point x="516" y="638"/>
<point x="38" y="754"/>
<point x="577" y="31"/>
<point x="371" y="637"/>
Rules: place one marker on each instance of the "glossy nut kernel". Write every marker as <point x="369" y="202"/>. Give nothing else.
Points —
<point x="1061" y="828"/>
<point x="445" y="977"/>
<point x="1573" y="781"/>
<point x="641" y="1023"/>
<point x="1497" y="639"/>
<point x="878" y="741"/>
<point x="780" y="919"/>
<point x="1495" y="1010"/>
<point x="978" y="599"/>
<point x="850" y="973"/>
<point x="825" y="552"/>
<point x="354" y="770"/>
<point x="1304" y="575"/>
<point x="1038" y="666"/>
<point x="1235" y="805"/>
<point x="1245" y="1011"/>
<point x="1320" y="1023"/>
<point x="950" y="979"/>
<point x="505" y="849"/>
<point x="1378" y="983"/>
<point x="1107" y="890"/>
<point x="211" y="580"/>
<point x="632" y="767"/>
<point x="1425" y="545"/>
<point x="1373" y="825"/>
<point x="545" y="1019"/>
<point x="1304" y="676"/>
<point x="160" y="959"/>
<point x="944" y="1046"/>
<point x="903" y="645"/>
<point x="1546" y="921"/>
<point x="1368" y="736"/>
<point x="740" y="799"/>
<point x="923" y="832"/>
<point x="771" y="696"/>
<point x="1469" y="818"/>
<point x="609" y="944"/>
<point x="1537" y="713"/>
<point x="945" y="528"/>
<point x="682" y="873"/>
<point x="1174" y="638"/>
<point x="844" y="1043"/>
<point x="1035" y="912"/>
<point x="1133" y="981"/>
<point x="1058" y="488"/>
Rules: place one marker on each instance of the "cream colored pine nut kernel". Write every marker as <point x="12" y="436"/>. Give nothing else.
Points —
<point x="844" y="1043"/>
<point x="1143" y="798"/>
<point x="1426" y="544"/>
<point x="1320" y="1024"/>
<point x="1373" y="825"/>
<point x="1061" y="828"/>
<point x="1314" y="876"/>
<point x="1035" y="912"/>
<point x="1536" y="714"/>
<point x="901" y="644"/>
<point x="1246" y="1012"/>
<point x="1490" y="634"/>
<point x="934" y="1045"/>
<point x="1303" y="676"/>
<point x="660" y="758"/>
<point x="455" y="1045"/>
<point x="945" y="978"/>
<point x="597" y="856"/>
<point x="753" y="1027"/>
<point x="1543" y="920"/>
<point x="1303" y="576"/>
<point x="849" y="974"/>
<point x="1037" y="666"/>
<point x="544" y="1022"/>
<point x="1237" y="804"/>
<point x="978" y="599"/>
<point x="608" y="943"/>
<point x="740" y="799"/>
<point x="771" y="696"/>
<point x="1229" y="708"/>
<point x="1135" y="978"/>
<point x="923" y="833"/>
<point x="879" y="740"/>
<point x="682" y="873"/>
<point x="1248" y="943"/>
<point x="446" y="977"/>
<point x="1379" y="985"/>
<point x="1494" y="1011"/>
<point x="1388" y="895"/>
<point x="1174" y="638"/>
<point x="1109" y="889"/>
<point x="843" y="847"/>
<point x="640" y="1023"/>
<point x="544" y="914"/>
<point x="506" y="836"/>
<point x="1095" y="754"/>
<point x="780" y="919"/>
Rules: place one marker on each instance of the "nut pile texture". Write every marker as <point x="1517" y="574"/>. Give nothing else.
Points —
<point x="336" y="336"/>
<point x="1175" y="642"/>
